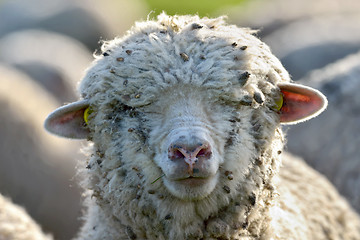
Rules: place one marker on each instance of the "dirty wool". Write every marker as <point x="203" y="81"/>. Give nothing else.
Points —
<point x="183" y="117"/>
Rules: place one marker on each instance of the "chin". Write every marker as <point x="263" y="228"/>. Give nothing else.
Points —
<point x="191" y="188"/>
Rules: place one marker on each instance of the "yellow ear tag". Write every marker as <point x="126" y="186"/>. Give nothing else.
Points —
<point x="279" y="102"/>
<point x="87" y="112"/>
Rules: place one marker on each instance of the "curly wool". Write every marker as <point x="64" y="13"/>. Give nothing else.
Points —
<point x="181" y="50"/>
<point x="156" y="66"/>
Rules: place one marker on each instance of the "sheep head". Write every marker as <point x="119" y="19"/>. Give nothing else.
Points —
<point x="186" y="107"/>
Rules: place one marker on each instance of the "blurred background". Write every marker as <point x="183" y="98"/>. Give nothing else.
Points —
<point x="45" y="46"/>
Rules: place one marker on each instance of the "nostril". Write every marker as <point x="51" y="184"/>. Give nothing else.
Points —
<point x="188" y="152"/>
<point x="176" y="153"/>
<point x="201" y="153"/>
<point x="204" y="152"/>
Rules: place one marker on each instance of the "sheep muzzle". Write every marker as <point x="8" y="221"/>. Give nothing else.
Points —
<point x="191" y="162"/>
<point x="193" y="153"/>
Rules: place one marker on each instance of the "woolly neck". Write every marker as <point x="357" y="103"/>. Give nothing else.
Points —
<point x="148" y="212"/>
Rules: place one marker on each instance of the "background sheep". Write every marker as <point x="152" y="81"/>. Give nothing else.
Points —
<point x="15" y="224"/>
<point x="337" y="129"/>
<point x="184" y="118"/>
<point x="65" y="17"/>
<point x="272" y="16"/>
<point x="309" y="44"/>
<point x="301" y="33"/>
<point x="82" y="20"/>
<point x="36" y="169"/>
<point x="58" y="73"/>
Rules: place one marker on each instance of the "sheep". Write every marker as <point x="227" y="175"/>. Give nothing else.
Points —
<point x="70" y="18"/>
<point x="309" y="44"/>
<point x="183" y="117"/>
<point x="337" y="157"/>
<point x="60" y="73"/>
<point x="270" y="16"/>
<point x="301" y="33"/>
<point x="76" y="19"/>
<point x="36" y="169"/>
<point x="15" y="223"/>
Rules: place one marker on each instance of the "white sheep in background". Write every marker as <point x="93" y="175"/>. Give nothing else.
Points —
<point x="301" y="33"/>
<point x="184" y="115"/>
<point x="86" y="23"/>
<point x="310" y="43"/>
<point x="337" y="130"/>
<point x="270" y="16"/>
<point x="36" y="168"/>
<point x="15" y="223"/>
<point x="58" y="74"/>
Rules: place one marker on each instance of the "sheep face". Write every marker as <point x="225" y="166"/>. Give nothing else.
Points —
<point x="189" y="138"/>
<point x="188" y="135"/>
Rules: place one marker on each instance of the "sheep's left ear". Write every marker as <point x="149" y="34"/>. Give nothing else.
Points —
<point x="68" y="121"/>
<point x="300" y="103"/>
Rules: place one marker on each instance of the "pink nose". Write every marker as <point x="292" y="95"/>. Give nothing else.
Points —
<point x="192" y="152"/>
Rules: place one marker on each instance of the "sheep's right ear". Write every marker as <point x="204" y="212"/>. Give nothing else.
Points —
<point x="300" y="103"/>
<point x="68" y="121"/>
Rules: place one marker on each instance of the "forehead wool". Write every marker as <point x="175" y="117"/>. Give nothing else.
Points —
<point x="180" y="50"/>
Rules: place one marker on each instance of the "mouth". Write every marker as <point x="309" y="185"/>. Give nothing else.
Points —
<point x="192" y="181"/>
<point x="191" y="187"/>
